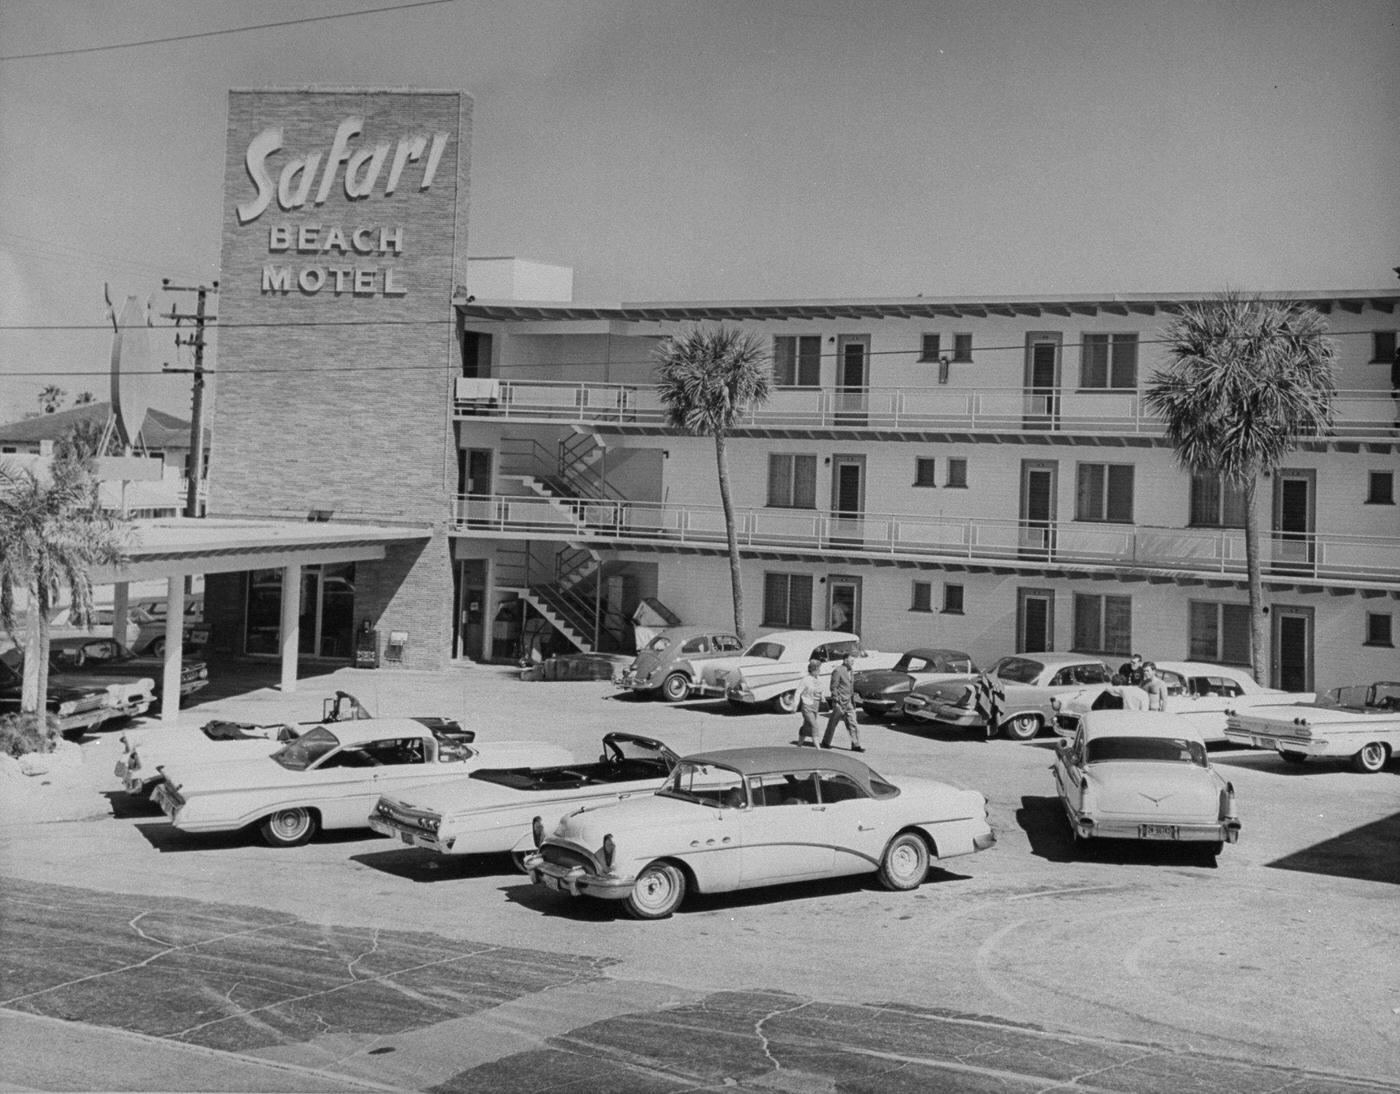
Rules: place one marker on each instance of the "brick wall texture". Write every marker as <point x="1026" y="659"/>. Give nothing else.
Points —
<point x="331" y="398"/>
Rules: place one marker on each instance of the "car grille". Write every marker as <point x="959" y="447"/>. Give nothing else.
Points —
<point x="563" y="856"/>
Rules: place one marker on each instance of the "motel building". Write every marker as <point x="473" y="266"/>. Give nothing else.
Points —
<point x="972" y="472"/>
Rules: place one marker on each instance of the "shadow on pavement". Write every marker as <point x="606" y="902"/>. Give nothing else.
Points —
<point x="425" y="867"/>
<point x="1368" y="853"/>
<point x="592" y="910"/>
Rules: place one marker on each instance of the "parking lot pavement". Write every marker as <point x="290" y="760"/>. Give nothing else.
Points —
<point x="1265" y="969"/>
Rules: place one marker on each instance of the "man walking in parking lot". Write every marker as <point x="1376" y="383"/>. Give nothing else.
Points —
<point x="843" y="703"/>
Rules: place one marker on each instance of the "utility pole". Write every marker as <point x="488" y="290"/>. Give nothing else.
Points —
<point x="196" y="465"/>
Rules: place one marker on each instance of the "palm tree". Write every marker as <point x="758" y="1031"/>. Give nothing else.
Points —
<point x="1246" y="378"/>
<point x="51" y="398"/>
<point x="51" y="536"/>
<point x="707" y="379"/>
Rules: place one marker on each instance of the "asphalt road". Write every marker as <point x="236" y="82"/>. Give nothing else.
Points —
<point x="138" y="958"/>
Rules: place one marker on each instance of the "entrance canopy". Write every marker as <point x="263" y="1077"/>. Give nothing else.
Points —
<point x="174" y="548"/>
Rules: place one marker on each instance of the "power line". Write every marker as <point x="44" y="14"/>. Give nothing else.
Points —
<point x="217" y="33"/>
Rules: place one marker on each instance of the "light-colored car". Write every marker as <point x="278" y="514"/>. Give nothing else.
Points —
<point x="1134" y="774"/>
<point x="745" y="817"/>
<point x="669" y="665"/>
<point x="1360" y="722"/>
<point x="145" y="624"/>
<point x="881" y="692"/>
<point x="1198" y="691"/>
<point x="496" y="809"/>
<point x="1029" y="682"/>
<point x="328" y="778"/>
<point x="771" y="669"/>
<point x="147" y="752"/>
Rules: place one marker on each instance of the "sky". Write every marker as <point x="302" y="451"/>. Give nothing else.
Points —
<point x="726" y="150"/>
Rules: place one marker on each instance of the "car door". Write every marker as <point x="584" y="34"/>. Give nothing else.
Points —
<point x="858" y="830"/>
<point x="785" y="830"/>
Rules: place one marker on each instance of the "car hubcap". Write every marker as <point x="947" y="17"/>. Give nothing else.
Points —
<point x="654" y="890"/>
<point x="289" y="825"/>
<point x="904" y="861"/>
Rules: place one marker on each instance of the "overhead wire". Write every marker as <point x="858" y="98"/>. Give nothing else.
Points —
<point x="218" y="33"/>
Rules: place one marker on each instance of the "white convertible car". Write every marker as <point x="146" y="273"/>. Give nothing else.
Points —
<point x="1200" y="692"/>
<point x="1360" y="722"/>
<point x="1135" y="774"/>
<point x="329" y="777"/>
<point x="745" y="817"/>
<point x="771" y="669"/>
<point x="497" y="809"/>
<point x="145" y="752"/>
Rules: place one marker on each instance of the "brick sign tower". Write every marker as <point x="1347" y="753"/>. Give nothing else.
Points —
<point x="344" y="234"/>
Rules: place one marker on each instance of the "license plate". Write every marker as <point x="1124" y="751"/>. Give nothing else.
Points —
<point x="555" y="883"/>
<point x="1262" y="742"/>
<point x="1157" y="831"/>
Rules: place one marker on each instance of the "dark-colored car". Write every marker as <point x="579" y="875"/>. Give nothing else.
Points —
<point x="881" y="692"/>
<point x="77" y="707"/>
<point x="110" y="658"/>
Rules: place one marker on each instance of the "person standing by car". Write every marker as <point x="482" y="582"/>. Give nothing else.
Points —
<point x="809" y="702"/>
<point x="843" y="703"/>
<point x="1131" y="671"/>
<point x="1152" y="684"/>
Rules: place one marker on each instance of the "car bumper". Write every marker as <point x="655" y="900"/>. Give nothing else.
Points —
<point x="1312" y="746"/>
<point x="413" y="837"/>
<point x="577" y="880"/>
<point x="950" y="716"/>
<point x="1153" y="831"/>
<point x="879" y="705"/>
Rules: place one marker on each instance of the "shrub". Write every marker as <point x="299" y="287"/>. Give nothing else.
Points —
<point x="21" y="733"/>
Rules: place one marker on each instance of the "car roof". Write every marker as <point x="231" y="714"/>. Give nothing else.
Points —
<point x="1137" y="723"/>
<point x="938" y="653"/>
<point x="1202" y="668"/>
<point x="363" y="730"/>
<point x="816" y="638"/>
<point x="768" y="759"/>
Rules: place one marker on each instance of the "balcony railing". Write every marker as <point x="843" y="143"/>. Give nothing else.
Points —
<point x="906" y="536"/>
<point x="1064" y="410"/>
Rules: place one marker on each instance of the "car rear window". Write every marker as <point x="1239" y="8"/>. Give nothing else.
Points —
<point x="1146" y="750"/>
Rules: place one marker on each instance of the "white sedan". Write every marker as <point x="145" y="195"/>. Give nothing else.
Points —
<point x="771" y="669"/>
<point x="329" y="777"/>
<point x="1131" y="774"/>
<point x="1199" y="691"/>
<point x="744" y="817"/>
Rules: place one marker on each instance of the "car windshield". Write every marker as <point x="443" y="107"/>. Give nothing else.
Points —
<point x="1018" y="670"/>
<point x="771" y="650"/>
<point x="307" y="749"/>
<point x="1171" y="750"/>
<point x="1380" y="696"/>
<point x="659" y="643"/>
<point x="706" y="784"/>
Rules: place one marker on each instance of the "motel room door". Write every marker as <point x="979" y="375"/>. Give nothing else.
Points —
<point x="1293" y="520"/>
<point x="1292" y="667"/>
<point x="852" y="379"/>
<point x="847" y="499"/>
<point x="1038" y="488"/>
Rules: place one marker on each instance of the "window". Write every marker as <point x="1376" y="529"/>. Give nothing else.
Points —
<point x="797" y="360"/>
<point x="1381" y="490"/>
<point x="1218" y="632"/>
<point x="792" y="482"/>
<point x="1105" y="493"/>
<point x="924" y="471"/>
<point x="923" y="597"/>
<point x="962" y="347"/>
<point x="1108" y="361"/>
<point x="1382" y="346"/>
<point x="928" y="351"/>
<point x="1103" y="624"/>
<point x="787" y="600"/>
<point x="700" y="644"/>
<point x="1378" y="632"/>
<point x="957" y="473"/>
<point x="1216" y="503"/>
<point x="952" y="599"/>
